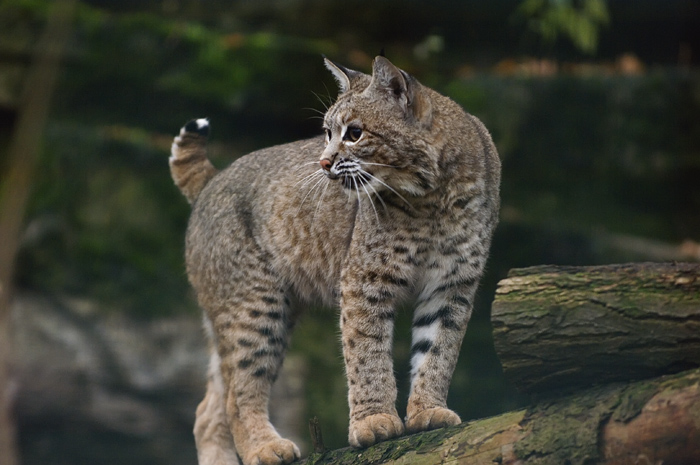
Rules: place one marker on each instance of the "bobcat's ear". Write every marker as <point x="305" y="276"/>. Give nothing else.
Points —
<point x="399" y="86"/>
<point x="341" y="74"/>
<point x="389" y="80"/>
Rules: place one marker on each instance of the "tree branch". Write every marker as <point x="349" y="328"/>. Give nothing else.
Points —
<point x="16" y="186"/>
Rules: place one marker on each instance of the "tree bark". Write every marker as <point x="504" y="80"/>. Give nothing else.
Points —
<point x="14" y="192"/>
<point x="653" y="421"/>
<point x="560" y="328"/>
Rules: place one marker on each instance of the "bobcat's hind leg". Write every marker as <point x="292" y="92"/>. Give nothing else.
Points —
<point x="211" y="430"/>
<point x="252" y="329"/>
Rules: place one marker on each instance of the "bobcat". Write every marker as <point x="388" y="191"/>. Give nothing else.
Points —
<point x="399" y="200"/>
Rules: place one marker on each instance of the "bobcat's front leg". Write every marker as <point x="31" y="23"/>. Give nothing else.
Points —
<point x="368" y="297"/>
<point x="439" y="324"/>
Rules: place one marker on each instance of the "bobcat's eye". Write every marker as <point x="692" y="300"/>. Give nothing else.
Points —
<point x="352" y="134"/>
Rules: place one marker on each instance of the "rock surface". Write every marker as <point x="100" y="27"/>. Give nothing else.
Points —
<point x="108" y="389"/>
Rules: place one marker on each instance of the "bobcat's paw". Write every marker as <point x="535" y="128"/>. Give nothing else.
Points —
<point x="432" y="418"/>
<point x="373" y="429"/>
<point x="276" y="452"/>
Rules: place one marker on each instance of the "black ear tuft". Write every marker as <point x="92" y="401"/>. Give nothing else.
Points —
<point x="381" y="53"/>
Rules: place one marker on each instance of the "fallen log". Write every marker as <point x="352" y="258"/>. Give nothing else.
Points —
<point x="560" y="328"/>
<point x="652" y="421"/>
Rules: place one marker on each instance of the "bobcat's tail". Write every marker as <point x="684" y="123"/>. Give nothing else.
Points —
<point x="189" y="165"/>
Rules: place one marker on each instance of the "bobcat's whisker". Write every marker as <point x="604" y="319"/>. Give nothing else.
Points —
<point x="359" y="200"/>
<point x="312" y="189"/>
<point x="308" y="178"/>
<point x="368" y="184"/>
<point x="315" y="110"/>
<point x="377" y="164"/>
<point x="318" y="114"/>
<point x="387" y="186"/>
<point x="301" y="166"/>
<point x="371" y="202"/>
<point x="325" y="104"/>
<point x="320" y="199"/>
<point x="315" y="180"/>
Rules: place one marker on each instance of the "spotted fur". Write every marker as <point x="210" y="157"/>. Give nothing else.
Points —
<point x="398" y="201"/>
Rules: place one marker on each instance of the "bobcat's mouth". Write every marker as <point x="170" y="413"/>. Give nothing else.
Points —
<point x="351" y="175"/>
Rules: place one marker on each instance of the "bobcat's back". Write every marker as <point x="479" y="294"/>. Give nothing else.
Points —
<point x="269" y="202"/>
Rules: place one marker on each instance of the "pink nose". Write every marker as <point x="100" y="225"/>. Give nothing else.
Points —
<point x="326" y="164"/>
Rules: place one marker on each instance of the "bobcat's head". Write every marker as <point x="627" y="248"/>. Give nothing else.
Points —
<point x="380" y="132"/>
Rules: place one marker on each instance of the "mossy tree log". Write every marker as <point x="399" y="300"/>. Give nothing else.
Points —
<point x="561" y="328"/>
<point x="652" y="421"/>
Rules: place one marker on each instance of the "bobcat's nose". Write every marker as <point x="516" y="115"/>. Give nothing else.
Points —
<point x="326" y="164"/>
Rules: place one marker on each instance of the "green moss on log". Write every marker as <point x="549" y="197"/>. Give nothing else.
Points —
<point x="565" y="430"/>
<point x="569" y="430"/>
<point x="467" y="440"/>
<point x="560" y="328"/>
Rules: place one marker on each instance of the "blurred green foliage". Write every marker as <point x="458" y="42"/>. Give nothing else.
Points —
<point x="579" y="21"/>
